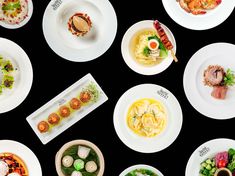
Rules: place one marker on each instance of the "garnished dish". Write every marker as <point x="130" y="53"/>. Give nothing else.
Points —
<point x="150" y="46"/>
<point x="79" y="158"/>
<point x="67" y="108"/>
<point x="88" y="95"/>
<point x="198" y="7"/>
<point x="147" y="117"/>
<point x="12" y="165"/>
<point x="79" y="24"/>
<point x="6" y="75"/>
<point x="220" y="80"/>
<point x="13" y="11"/>
<point x="221" y="164"/>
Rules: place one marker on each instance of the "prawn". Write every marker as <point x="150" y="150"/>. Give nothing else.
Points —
<point x="184" y="5"/>
<point x="195" y="7"/>
<point x="210" y="4"/>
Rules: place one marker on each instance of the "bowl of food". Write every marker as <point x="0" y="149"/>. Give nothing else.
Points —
<point x="79" y="158"/>
<point x="148" y="47"/>
<point x="141" y="169"/>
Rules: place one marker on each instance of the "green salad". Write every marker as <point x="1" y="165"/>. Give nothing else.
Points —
<point x="221" y="160"/>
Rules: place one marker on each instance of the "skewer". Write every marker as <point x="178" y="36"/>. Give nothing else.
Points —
<point x="163" y="37"/>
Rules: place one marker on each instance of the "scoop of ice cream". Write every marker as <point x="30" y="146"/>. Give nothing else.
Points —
<point x="3" y="168"/>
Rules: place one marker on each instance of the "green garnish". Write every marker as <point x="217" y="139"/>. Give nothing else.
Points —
<point x="161" y="46"/>
<point x="11" y="6"/>
<point x="94" y="91"/>
<point x="229" y="79"/>
<point x="146" y="51"/>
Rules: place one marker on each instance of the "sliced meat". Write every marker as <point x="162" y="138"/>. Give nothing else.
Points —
<point x="219" y="92"/>
<point x="214" y="75"/>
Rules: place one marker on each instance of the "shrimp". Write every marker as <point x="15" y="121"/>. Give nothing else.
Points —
<point x="210" y="4"/>
<point x="195" y="7"/>
<point x="184" y="5"/>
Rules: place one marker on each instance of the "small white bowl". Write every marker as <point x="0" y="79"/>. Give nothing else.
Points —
<point x="141" y="166"/>
<point x="59" y="155"/>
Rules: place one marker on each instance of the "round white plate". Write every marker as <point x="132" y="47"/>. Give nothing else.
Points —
<point x="22" y="23"/>
<point x="24" y="153"/>
<point x="199" y="22"/>
<point x="174" y="118"/>
<point x="206" y="150"/>
<point x="141" y="166"/>
<point x="130" y="61"/>
<point x="199" y="95"/>
<point x="11" y="98"/>
<point x="71" y="47"/>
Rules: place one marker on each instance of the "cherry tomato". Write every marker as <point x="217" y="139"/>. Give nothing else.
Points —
<point x="222" y="163"/>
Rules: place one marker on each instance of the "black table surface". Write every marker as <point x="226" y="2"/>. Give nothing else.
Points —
<point x="53" y="74"/>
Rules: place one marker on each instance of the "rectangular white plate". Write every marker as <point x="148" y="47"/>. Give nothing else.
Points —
<point x="64" y="97"/>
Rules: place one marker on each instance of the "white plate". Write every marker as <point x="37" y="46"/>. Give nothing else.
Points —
<point x="174" y="118"/>
<point x="22" y="23"/>
<point x="29" y="158"/>
<point x="141" y="166"/>
<point x="61" y="99"/>
<point x="79" y="49"/>
<point x="207" y="150"/>
<point x="130" y="61"/>
<point x="10" y="99"/>
<point x="199" y="95"/>
<point x="199" y="22"/>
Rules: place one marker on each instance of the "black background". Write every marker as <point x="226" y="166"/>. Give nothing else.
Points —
<point x="53" y="74"/>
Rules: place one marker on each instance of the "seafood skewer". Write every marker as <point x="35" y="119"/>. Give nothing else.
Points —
<point x="163" y="37"/>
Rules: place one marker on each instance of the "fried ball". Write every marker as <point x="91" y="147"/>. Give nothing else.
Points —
<point x="64" y="111"/>
<point x="53" y="119"/>
<point x="85" y="96"/>
<point x="43" y="126"/>
<point x="75" y="104"/>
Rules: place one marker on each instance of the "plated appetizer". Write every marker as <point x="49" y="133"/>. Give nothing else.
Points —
<point x="79" y="24"/>
<point x="147" y="117"/>
<point x="6" y="75"/>
<point x="221" y="164"/>
<point x="12" y="165"/>
<point x="220" y="80"/>
<point x="67" y="108"/>
<point x="198" y="7"/>
<point x="13" y="11"/>
<point x="87" y="95"/>
<point x="79" y="158"/>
